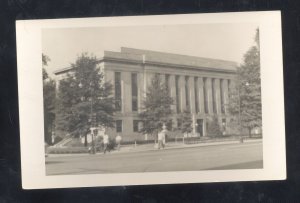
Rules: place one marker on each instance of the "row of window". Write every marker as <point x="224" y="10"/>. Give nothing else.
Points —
<point x="119" y="126"/>
<point x="134" y="93"/>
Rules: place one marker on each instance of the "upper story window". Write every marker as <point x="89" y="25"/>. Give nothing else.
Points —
<point x="118" y="91"/>
<point x="196" y="94"/>
<point x="177" y="93"/>
<point x="187" y="95"/>
<point x="205" y="95"/>
<point x="134" y="92"/>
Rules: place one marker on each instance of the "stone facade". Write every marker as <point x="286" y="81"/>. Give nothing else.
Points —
<point x="187" y="76"/>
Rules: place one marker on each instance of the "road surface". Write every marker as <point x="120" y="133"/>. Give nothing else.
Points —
<point x="216" y="157"/>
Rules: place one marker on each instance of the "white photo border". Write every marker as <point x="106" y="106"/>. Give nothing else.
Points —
<point x="29" y="59"/>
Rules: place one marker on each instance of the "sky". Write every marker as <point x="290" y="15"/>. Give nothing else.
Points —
<point x="219" y="41"/>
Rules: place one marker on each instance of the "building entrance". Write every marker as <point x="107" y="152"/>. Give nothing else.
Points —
<point x="200" y="127"/>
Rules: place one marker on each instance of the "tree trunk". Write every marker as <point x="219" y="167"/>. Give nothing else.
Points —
<point x="85" y="140"/>
<point x="249" y="129"/>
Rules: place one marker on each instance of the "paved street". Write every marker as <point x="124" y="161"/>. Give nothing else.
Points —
<point x="214" y="157"/>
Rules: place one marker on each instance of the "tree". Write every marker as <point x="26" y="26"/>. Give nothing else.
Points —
<point x="245" y="100"/>
<point x="49" y="101"/>
<point x="185" y="120"/>
<point x="213" y="127"/>
<point x="156" y="107"/>
<point x="84" y="98"/>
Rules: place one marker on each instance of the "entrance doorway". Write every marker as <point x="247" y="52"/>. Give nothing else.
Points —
<point x="200" y="127"/>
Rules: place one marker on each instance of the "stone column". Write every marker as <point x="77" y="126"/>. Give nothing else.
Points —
<point x="225" y="93"/>
<point x="209" y="95"/>
<point x="192" y="94"/>
<point x="182" y="93"/>
<point x="126" y="94"/>
<point x="172" y="89"/>
<point x="201" y="95"/>
<point x="218" y="96"/>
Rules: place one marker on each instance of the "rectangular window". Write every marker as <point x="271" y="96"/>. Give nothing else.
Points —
<point x="187" y="97"/>
<point x="177" y="94"/>
<point x="205" y="95"/>
<point x="167" y="80"/>
<point x="136" y="125"/>
<point x="196" y="94"/>
<point x="119" y="127"/>
<point x="118" y="91"/>
<point x="134" y="92"/>
<point x="222" y="96"/>
<point x="213" y="96"/>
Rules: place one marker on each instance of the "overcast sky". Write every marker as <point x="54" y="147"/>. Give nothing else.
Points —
<point x="219" y="41"/>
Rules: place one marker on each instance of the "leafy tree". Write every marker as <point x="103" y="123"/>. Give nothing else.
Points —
<point x="156" y="107"/>
<point x="185" y="120"/>
<point x="213" y="127"/>
<point x="49" y="101"/>
<point x="245" y="99"/>
<point x="84" y="99"/>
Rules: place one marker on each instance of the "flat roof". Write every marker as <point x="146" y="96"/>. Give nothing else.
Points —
<point x="163" y="58"/>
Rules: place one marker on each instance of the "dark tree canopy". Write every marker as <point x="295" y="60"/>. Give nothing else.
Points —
<point x="156" y="107"/>
<point x="49" y="101"/>
<point x="84" y="98"/>
<point x="245" y="99"/>
<point x="185" y="120"/>
<point x="213" y="127"/>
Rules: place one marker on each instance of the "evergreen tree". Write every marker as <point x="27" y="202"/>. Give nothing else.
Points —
<point x="213" y="127"/>
<point x="156" y="107"/>
<point x="245" y="99"/>
<point x="84" y="99"/>
<point x="185" y="120"/>
<point x="49" y="101"/>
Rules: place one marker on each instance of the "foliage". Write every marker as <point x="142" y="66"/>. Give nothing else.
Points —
<point x="213" y="127"/>
<point x="49" y="101"/>
<point x="245" y="99"/>
<point x="185" y="120"/>
<point x="156" y="107"/>
<point x="84" y="98"/>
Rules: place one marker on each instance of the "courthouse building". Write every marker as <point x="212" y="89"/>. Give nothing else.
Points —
<point x="198" y="84"/>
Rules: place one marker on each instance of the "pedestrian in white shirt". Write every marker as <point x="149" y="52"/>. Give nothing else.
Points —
<point x="105" y="142"/>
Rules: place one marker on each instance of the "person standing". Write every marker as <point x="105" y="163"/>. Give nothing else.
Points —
<point x="105" y="142"/>
<point x="118" y="141"/>
<point x="161" y="139"/>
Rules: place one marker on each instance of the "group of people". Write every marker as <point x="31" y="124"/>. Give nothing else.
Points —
<point x="106" y="142"/>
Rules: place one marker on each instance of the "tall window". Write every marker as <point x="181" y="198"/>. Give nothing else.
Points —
<point x="187" y="97"/>
<point x="177" y="94"/>
<point x="205" y="95"/>
<point x="118" y="91"/>
<point x="214" y="96"/>
<point x="119" y="127"/>
<point x="196" y="94"/>
<point x="134" y="92"/>
<point x="167" y="79"/>
<point x="136" y="125"/>
<point x="222" y="96"/>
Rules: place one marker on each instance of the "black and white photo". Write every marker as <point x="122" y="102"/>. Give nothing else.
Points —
<point x="152" y="99"/>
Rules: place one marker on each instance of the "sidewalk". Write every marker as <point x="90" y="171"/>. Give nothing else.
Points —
<point x="153" y="147"/>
